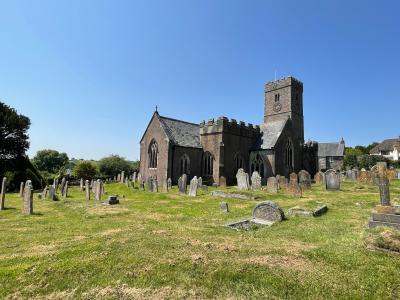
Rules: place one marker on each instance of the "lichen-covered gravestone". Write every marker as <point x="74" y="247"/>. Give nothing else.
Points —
<point x="332" y="180"/>
<point x="200" y="180"/>
<point x="365" y="176"/>
<point x="242" y="180"/>
<point x="304" y="180"/>
<point x="66" y="189"/>
<point x="283" y="182"/>
<point x="384" y="192"/>
<point x="224" y="207"/>
<point x="150" y="186"/>
<point x="87" y="190"/>
<point x="182" y="184"/>
<point x="3" y="193"/>
<point x="27" y="203"/>
<point x="62" y="185"/>
<point x="21" y="189"/>
<point x="98" y="190"/>
<point x="268" y="211"/>
<point x="122" y="176"/>
<point x="169" y="183"/>
<point x="319" y="178"/>
<point x="293" y="188"/>
<point x="222" y="181"/>
<point x="194" y="183"/>
<point x="81" y="185"/>
<point x="52" y="192"/>
<point x="255" y="181"/>
<point x="272" y="185"/>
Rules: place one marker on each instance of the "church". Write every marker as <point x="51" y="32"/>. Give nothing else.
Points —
<point x="216" y="149"/>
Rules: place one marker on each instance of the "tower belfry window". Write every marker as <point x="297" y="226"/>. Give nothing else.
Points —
<point x="277" y="97"/>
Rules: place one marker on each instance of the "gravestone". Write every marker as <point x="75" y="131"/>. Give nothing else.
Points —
<point x="44" y="193"/>
<point x="224" y="207"/>
<point x="194" y="183"/>
<point x="268" y="211"/>
<point x="155" y="185"/>
<point x="283" y="182"/>
<point x="150" y="184"/>
<point x="139" y="177"/>
<point x="127" y="182"/>
<point x="169" y="184"/>
<point x="66" y="189"/>
<point x="52" y="192"/>
<point x="142" y="185"/>
<point x="112" y="200"/>
<point x="242" y="180"/>
<point x="3" y="193"/>
<point x="351" y="175"/>
<point x="165" y="185"/>
<point x="122" y="176"/>
<point x="21" y="189"/>
<point x="118" y="177"/>
<point x="55" y="184"/>
<point x="272" y="185"/>
<point x="319" y="178"/>
<point x="222" y="181"/>
<point x="182" y="184"/>
<point x="97" y="193"/>
<point x="134" y="177"/>
<point x="27" y="203"/>
<point x="255" y="181"/>
<point x="384" y="191"/>
<point x="365" y="176"/>
<point x="304" y="180"/>
<point x="200" y="180"/>
<point x="87" y="190"/>
<point x="294" y="188"/>
<point x="62" y="185"/>
<point x="81" y="185"/>
<point x="332" y="180"/>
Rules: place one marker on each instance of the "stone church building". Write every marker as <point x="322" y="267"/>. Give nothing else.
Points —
<point x="170" y="147"/>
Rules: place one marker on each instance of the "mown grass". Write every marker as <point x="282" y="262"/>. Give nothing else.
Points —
<point x="167" y="245"/>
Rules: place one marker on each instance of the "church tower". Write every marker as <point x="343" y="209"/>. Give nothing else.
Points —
<point x="283" y="99"/>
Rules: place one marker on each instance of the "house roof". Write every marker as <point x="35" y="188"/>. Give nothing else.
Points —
<point x="330" y="149"/>
<point x="182" y="133"/>
<point x="386" y="145"/>
<point x="270" y="133"/>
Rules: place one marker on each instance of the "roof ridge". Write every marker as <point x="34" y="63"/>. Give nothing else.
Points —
<point x="172" y="119"/>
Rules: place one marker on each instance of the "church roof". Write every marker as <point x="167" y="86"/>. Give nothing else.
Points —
<point x="182" y="133"/>
<point x="330" y="149"/>
<point x="270" y="133"/>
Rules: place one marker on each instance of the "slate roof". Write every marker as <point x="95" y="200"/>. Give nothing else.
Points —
<point x="182" y="133"/>
<point x="270" y="133"/>
<point x="330" y="149"/>
<point x="386" y="145"/>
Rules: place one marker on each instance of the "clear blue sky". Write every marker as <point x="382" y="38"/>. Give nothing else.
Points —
<point x="90" y="73"/>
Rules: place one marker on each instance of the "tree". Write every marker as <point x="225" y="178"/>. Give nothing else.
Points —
<point x="50" y="161"/>
<point x="85" y="169"/>
<point x="370" y="146"/>
<point x="13" y="133"/>
<point x="114" y="164"/>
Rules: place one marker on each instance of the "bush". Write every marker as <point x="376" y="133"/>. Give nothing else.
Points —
<point x="85" y="169"/>
<point x="114" y="164"/>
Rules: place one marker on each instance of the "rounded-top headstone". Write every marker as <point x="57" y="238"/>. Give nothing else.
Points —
<point x="268" y="211"/>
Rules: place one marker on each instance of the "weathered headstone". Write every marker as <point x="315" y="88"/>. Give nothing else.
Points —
<point x="200" y="180"/>
<point x="319" y="178"/>
<point x="98" y="190"/>
<point x="62" y="185"/>
<point x="65" y="189"/>
<point x="44" y="193"/>
<point x="351" y="175"/>
<point x="165" y="185"/>
<point x="224" y="206"/>
<point x="139" y="177"/>
<point x="52" y="192"/>
<point x="365" y="176"/>
<point x="332" y="180"/>
<point x="27" y="204"/>
<point x="3" y="193"/>
<point x="150" y="186"/>
<point x="112" y="200"/>
<point x="255" y="181"/>
<point x="127" y="182"/>
<point x="21" y="189"/>
<point x="283" y="182"/>
<point x="268" y="211"/>
<point x="222" y="181"/>
<point x="155" y="185"/>
<point x="169" y="184"/>
<point x="194" y="183"/>
<point x="182" y="184"/>
<point x="134" y="177"/>
<point x="81" y="185"/>
<point x="142" y="185"/>
<point x="272" y="185"/>
<point x="384" y="191"/>
<point x="119" y="177"/>
<point x="304" y="180"/>
<point x="242" y="180"/>
<point x="122" y="176"/>
<point x="294" y="188"/>
<point x="87" y="190"/>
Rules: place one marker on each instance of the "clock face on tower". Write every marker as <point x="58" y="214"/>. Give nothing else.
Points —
<point x="277" y="107"/>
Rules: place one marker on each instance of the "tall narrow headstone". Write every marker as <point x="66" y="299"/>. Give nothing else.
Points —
<point x="81" y="185"/>
<point x="139" y="177"/>
<point x="165" y="185"/>
<point x="294" y="187"/>
<point x="255" y="181"/>
<point x="194" y="183"/>
<point x="87" y="190"/>
<point x="384" y="191"/>
<point x="27" y="204"/>
<point x="169" y="184"/>
<point x="119" y="177"/>
<point x="200" y="180"/>
<point x="242" y="180"/>
<point x="66" y="189"/>
<point x="155" y="185"/>
<point x="142" y="185"/>
<point x="122" y="176"/>
<point x="62" y="185"/>
<point x="3" y="193"/>
<point x="182" y="184"/>
<point x="21" y="189"/>
<point x="150" y="185"/>
<point x="98" y="190"/>
<point x="44" y="193"/>
<point x="134" y="177"/>
<point x="52" y="192"/>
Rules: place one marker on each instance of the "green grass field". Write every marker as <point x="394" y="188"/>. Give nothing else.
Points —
<point x="166" y="245"/>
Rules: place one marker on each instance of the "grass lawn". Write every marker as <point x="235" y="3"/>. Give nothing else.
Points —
<point x="166" y="245"/>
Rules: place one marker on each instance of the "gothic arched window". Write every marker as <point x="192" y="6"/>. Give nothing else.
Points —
<point x="153" y="154"/>
<point x="185" y="164"/>
<point x="257" y="164"/>
<point x="238" y="163"/>
<point x="208" y="163"/>
<point x="289" y="155"/>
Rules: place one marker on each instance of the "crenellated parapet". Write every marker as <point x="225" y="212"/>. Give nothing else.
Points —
<point x="283" y="82"/>
<point x="224" y="125"/>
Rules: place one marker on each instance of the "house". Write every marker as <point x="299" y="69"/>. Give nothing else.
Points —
<point x="388" y="148"/>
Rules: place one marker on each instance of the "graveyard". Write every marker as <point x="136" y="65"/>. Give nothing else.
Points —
<point x="173" y="245"/>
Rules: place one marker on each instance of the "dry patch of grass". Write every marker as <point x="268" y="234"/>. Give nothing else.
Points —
<point x="105" y="210"/>
<point x="293" y="263"/>
<point x="383" y="238"/>
<point x="110" y="232"/>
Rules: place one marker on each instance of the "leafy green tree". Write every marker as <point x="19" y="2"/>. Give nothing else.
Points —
<point x="85" y="169"/>
<point x="370" y="146"/>
<point x="114" y="164"/>
<point x="350" y="161"/>
<point x="50" y="161"/>
<point x="13" y="133"/>
<point x="353" y="151"/>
